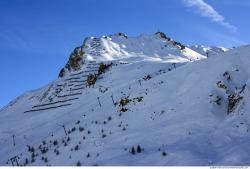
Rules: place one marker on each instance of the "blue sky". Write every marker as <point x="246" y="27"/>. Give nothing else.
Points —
<point x="37" y="36"/>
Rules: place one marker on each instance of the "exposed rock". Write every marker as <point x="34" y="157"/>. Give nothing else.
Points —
<point x="75" y="61"/>
<point x="103" y="67"/>
<point x="62" y="73"/>
<point x="163" y="35"/>
<point x="233" y="100"/>
<point x="122" y="35"/>
<point x="91" y="79"/>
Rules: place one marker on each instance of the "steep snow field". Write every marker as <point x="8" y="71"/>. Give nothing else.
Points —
<point x="151" y="106"/>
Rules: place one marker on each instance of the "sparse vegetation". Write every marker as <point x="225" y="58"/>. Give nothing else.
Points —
<point x="73" y="129"/>
<point x="148" y="77"/>
<point x="124" y="101"/>
<point x="123" y="109"/>
<point x="218" y="100"/>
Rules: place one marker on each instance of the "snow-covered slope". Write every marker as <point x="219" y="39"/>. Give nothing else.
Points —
<point x="208" y="50"/>
<point x="141" y="108"/>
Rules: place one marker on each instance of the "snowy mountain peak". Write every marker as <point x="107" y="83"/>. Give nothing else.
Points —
<point x="209" y="50"/>
<point x="119" y="47"/>
<point x="144" y="108"/>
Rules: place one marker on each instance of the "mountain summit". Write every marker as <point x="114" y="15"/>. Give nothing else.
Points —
<point x="145" y="100"/>
<point x="119" y="46"/>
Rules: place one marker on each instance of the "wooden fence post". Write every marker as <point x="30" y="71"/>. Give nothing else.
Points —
<point x="99" y="101"/>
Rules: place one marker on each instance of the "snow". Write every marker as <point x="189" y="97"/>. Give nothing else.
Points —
<point x="171" y="108"/>
<point x="116" y="47"/>
<point x="208" y="50"/>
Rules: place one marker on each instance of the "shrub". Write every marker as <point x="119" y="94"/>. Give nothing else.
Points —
<point x="164" y="153"/>
<point x="182" y="47"/>
<point x="73" y="129"/>
<point x="55" y="142"/>
<point x="109" y="118"/>
<point x="123" y="109"/>
<point x="138" y="99"/>
<point x="81" y="129"/>
<point x="124" y="101"/>
<point x="148" y="77"/>
<point x="218" y="100"/>
<point x="76" y="148"/>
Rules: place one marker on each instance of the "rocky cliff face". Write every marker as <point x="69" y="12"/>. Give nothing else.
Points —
<point x="75" y="61"/>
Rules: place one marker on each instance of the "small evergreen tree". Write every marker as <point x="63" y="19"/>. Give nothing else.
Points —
<point x="164" y="153"/>
<point x="26" y="161"/>
<point x="139" y="150"/>
<point x="133" y="150"/>
<point x="55" y="142"/>
<point x="76" y="147"/>
<point x="78" y="163"/>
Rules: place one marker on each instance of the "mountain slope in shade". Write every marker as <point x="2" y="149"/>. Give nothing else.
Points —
<point x="141" y="110"/>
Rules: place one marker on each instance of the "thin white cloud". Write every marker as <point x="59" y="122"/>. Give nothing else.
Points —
<point x="206" y="10"/>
